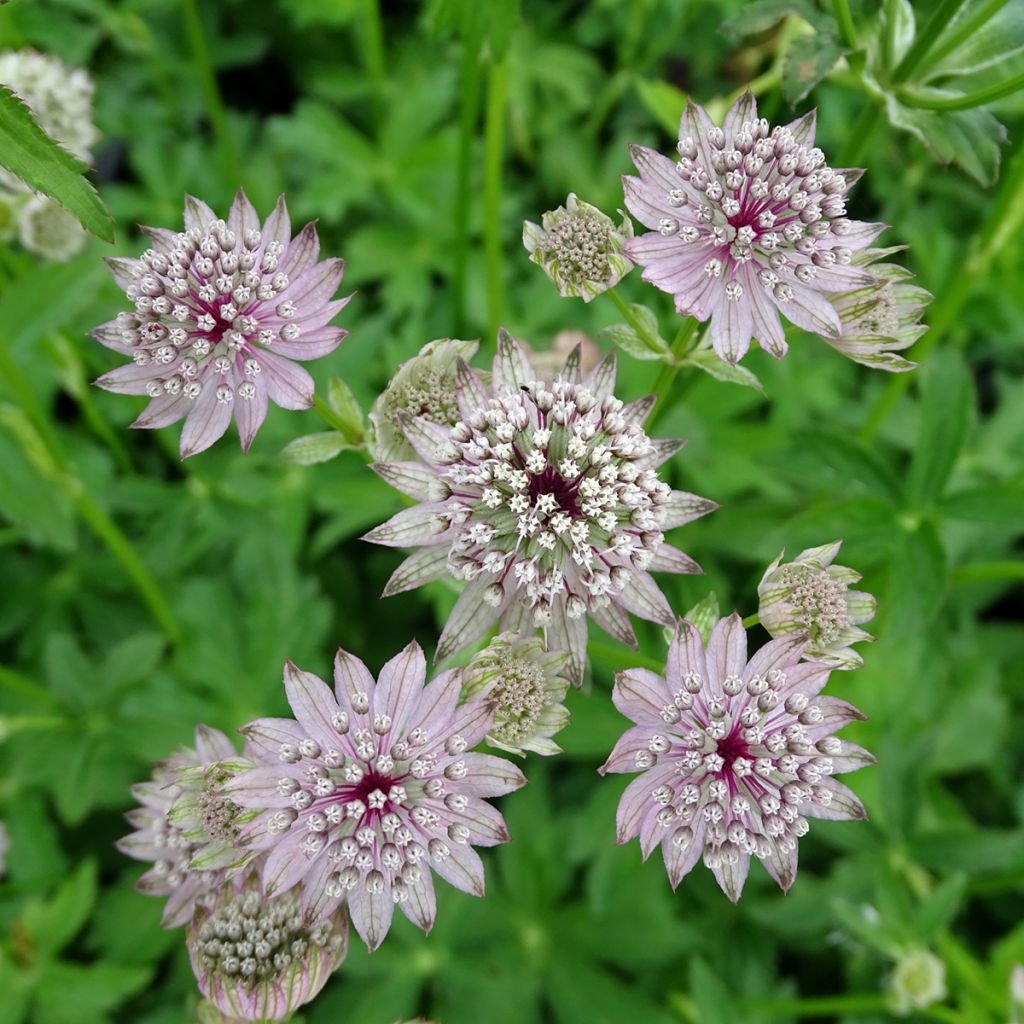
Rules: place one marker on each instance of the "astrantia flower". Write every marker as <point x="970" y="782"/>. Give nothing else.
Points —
<point x="256" y="957"/>
<point x="811" y="597"/>
<point x="221" y="312"/>
<point x="191" y="844"/>
<point x="579" y="248"/>
<point x="48" y="229"/>
<point x="422" y="386"/>
<point x="751" y="222"/>
<point x="371" y="788"/>
<point x="735" y="755"/>
<point x="526" y="686"/>
<point x="881" y="318"/>
<point x="546" y="499"/>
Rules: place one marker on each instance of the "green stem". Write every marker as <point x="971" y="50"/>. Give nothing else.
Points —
<point x="469" y="111"/>
<point x="623" y="656"/>
<point x="815" y="1006"/>
<point x="968" y="26"/>
<point x="860" y="134"/>
<point x="973" y="99"/>
<point x="494" y="147"/>
<point x="211" y="92"/>
<point x="942" y="15"/>
<point x="844" y="19"/>
<point x="683" y="342"/>
<point x="328" y="414"/>
<point x="751" y="620"/>
<point x="373" y="47"/>
<point x="1002" y="221"/>
<point x="989" y="572"/>
<point x="653" y="343"/>
<point x="25" y="687"/>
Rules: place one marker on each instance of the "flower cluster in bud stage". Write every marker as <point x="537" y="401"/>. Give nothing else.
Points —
<point x="734" y="755"/>
<point x="526" y="685"/>
<point x="258" y="957"/>
<point x="811" y="597"/>
<point x="60" y="100"/>
<point x="371" y="789"/>
<point x="546" y="499"/>
<point x="422" y="386"/>
<point x="750" y="223"/>
<point x="222" y="311"/>
<point x="580" y="248"/>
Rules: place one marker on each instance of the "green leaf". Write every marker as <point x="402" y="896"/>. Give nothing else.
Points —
<point x="344" y="403"/>
<point x="996" y="40"/>
<point x="711" y="994"/>
<point x="917" y="582"/>
<point x="47" y="167"/>
<point x="851" y="461"/>
<point x="944" y="412"/>
<point x="808" y="60"/>
<point x="84" y="993"/>
<point x="938" y="911"/>
<point x="33" y="503"/>
<point x="761" y="15"/>
<point x="314" y="448"/>
<point x="663" y="101"/>
<point x="52" y="925"/>
<point x="994" y="503"/>
<point x="626" y="338"/>
<point x="708" y="361"/>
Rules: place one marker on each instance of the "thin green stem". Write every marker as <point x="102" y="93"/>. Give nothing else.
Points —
<point x="494" y="151"/>
<point x="373" y="48"/>
<point x="683" y="342"/>
<point x="469" y="112"/>
<point x="942" y="15"/>
<point x="623" y="656"/>
<point x="634" y="321"/>
<point x="844" y="19"/>
<point x="751" y="620"/>
<point x="815" y="1006"/>
<point x="968" y="26"/>
<point x="1002" y="222"/>
<point x="201" y="61"/>
<point x="967" y="102"/>
<point x="331" y="417"/>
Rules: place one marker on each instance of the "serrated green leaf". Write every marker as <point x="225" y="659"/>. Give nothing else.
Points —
<point x="851" y="461"/>
<point x="53" y="924"/>
<point x="47" y="167"/>
<point x="708" y="361"/>
<point x="996" y="40"/>
<point x="624" y="337"/>
<point x="71" y="993"/>
<point x="761" y="15"/>
<point x="344" y="403"/>
<point x="944" y="412"/>
<point x="314" y="448"/>
<point x="917" y="582"/>
<point x="809" y="58"/>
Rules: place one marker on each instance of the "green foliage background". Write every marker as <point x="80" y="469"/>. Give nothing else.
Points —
<point x="364" y="115"/>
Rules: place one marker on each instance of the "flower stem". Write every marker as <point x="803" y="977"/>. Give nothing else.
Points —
<point x="645" y="336"/>
<point x="373" y="45"/>
<point x="1002" y="221"/>
<point x="231" y="166"/>
<point x="968" y="26"/>
<point x="751" y="620"/>
<point x="942" y="15"/>
<point x="683" y="342"/>
<point x="973" y="99"/>
<point x="494" y="146"/>
<point x="844" y="19"/>
<point x="329" y="415"/>
<point x="59" y="471"/>
<point x="469" y="111"/>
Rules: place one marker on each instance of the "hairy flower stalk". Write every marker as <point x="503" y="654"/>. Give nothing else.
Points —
<point x="546" y="499"/>
<point x="60" y="99"/>
<point x="579" y="248"/>
<point x="186" y="827"/>
<point x="750" y="223"/>
<point x="256" y="957"/>
<point x="422" y="386"/>
<point x="526" y="685"/>
<point x="734" y="755"/>
<point x="222" y="311"/>
<point x="811" y="597"/>
<point x="370" y="789"/>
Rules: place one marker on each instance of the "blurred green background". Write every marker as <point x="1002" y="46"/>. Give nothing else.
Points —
<point x="139" y="595"/>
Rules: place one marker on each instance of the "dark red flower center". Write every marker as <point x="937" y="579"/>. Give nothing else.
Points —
<point x="550" y="481"/>
<point x="732" y="747"/>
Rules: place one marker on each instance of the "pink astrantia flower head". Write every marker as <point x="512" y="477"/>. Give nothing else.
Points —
<point x="734" y="755"/>
<point x="256" y="957"/>
<point x="749" y="223"/>
<point x="546" y="499"/>
<point x="370" y="789"/>
<point x="185" y="827"/>
<point x="811" y="597"/>
<point x="222" y="311"/>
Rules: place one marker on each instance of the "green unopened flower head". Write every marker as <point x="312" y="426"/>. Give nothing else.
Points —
<point x="580" y="248"/>
<point x="526" y="685"/>
<point x="48" y="229"/>
<point x="811" y="596"/>
<point x="422" y="386"/>
<point x="882" y="318"/>
<point x="918" y="981"/>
